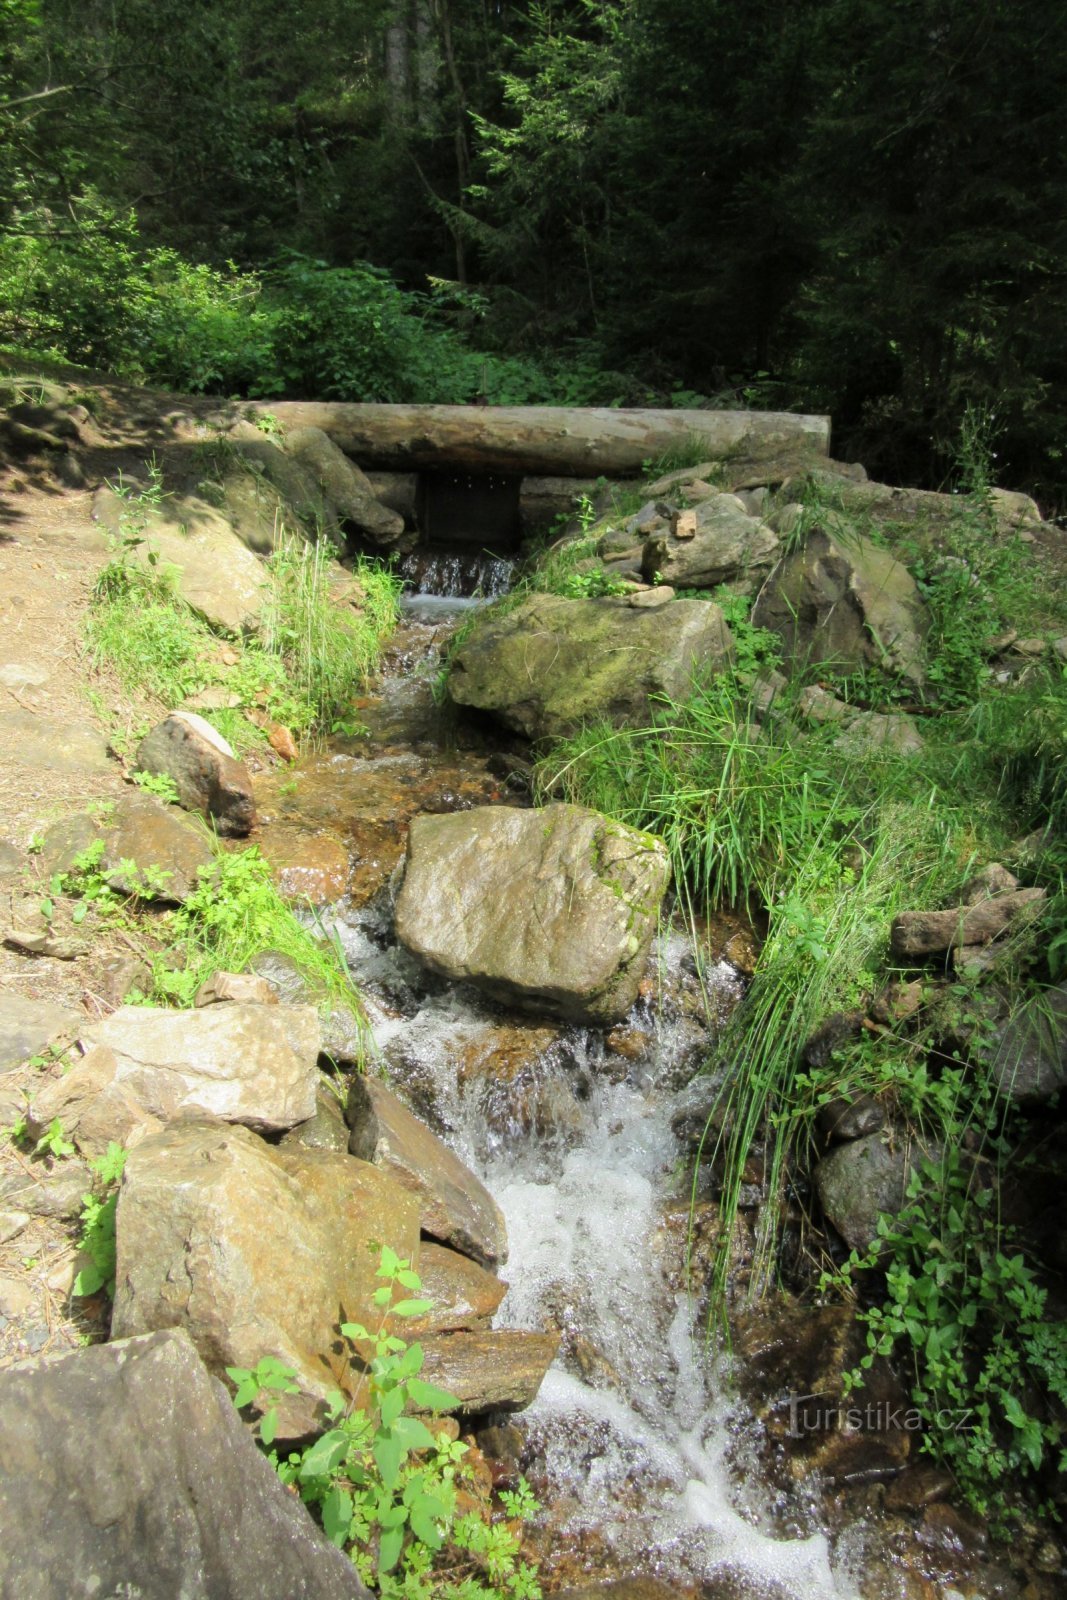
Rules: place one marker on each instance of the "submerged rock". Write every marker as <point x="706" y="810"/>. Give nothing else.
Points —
<point x="255" y="1251"/>
<point x="551" y="663"/>
<point x="454" y="1205"/>
<point x="128" y="1471"/>
<point x="551" y="910"/>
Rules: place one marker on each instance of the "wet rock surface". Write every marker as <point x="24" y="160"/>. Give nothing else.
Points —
<point x="553" y="909"/>
<point x="454" y="1206"/>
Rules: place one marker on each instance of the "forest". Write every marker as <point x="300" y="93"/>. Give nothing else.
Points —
<point x="825" y="205"/>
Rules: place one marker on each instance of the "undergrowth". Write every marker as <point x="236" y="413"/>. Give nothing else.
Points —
<point x="304" y="667"/>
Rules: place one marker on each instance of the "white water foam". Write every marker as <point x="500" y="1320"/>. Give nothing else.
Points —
<point x="641" y="1447"/>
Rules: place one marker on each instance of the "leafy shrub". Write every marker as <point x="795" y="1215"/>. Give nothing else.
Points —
<point x="384" y="1484"/>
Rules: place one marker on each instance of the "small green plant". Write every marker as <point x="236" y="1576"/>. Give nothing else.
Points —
<point x="384" y="1484"/>
<point x="97" y="1239"/>
<point x="161" y="784"/>
<point x="54" y="1142"/>
<point x="965" y="1307"/>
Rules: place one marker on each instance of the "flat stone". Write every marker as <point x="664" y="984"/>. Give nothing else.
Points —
<point x="252" y="1064"/>
<point x="499" y="1371"/>
<point x="12" y="1224"/>
<point x="59" y="1193"/>
<point x="127" y="1471"/>
<point x="27" y="1027"/>
<point x="54" y="746"/>
<point x="255" y="1250"/>
<point x="465" y="1296"/>
<point x="454" y="1206"/>
<point x="166" y="849"/>
<point x="22" y="675"/>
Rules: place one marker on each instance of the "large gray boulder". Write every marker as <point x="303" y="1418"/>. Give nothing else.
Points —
<point x="726" y="545"/>
<point x="127" y="1471"/>
<point x="551" y="910"/>
<point x="252" y="1064"/>
<point x="454" y="1206"/>
<point x="255" y="1250"/>
<point x="845" y="604"/>
<point x="347" y="489"/>
<point x="550" y="664"/>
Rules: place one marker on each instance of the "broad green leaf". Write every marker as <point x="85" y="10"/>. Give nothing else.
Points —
<point x="391" y="1405"/>
<point x="411" y="1308"/>
<point x="389" y="1548"/>
<point x="429" y="1397"/>
<point x="325" y="1454"/>
<point x="413" y="1433"/>
<point x="268" y="1425"/>
<point x="388" y="1451"/>
<point x="337" y="1516"/>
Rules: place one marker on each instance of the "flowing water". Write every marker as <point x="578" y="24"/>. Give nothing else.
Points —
<point x="641" y="1450"/>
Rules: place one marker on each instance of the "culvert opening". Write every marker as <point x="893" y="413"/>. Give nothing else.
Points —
<point x="469" y="534"/>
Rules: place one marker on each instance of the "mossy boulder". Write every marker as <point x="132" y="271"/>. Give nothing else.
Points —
<point x="550" y="663"/>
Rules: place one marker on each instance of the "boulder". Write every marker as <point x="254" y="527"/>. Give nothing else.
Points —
<point x="240" y="1063"/>
<point x="454" y="1206"/>
<point x="346" y="488"/>
<point x="499" y="1371"/>
<point x="552" y="910"/>
<point x="860" y="1180"/>
<point x="1029" y="1052"/>
<point x="213" y="571"/>
<point x="927" y="933"/>
<point x="166" y="849"/>
<point x="28" y="1026"/>
<point x="255" y="1250"/>
<point x="550" y="664"/>
<point x="207" y="774"/>
<point x="306" y="508"/>
<point x="127" y="1471"/>
<point x="721" y="544"/>
<point x="845" y="604"/>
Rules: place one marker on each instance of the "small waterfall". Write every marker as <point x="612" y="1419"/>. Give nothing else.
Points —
<point x="457" y="570"/>
<point x="641" y="1436"/>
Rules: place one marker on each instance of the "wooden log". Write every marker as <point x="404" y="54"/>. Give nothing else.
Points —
<point x="548" y="440"/>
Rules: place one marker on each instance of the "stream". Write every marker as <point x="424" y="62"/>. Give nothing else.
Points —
<point x="638" y="1445"/>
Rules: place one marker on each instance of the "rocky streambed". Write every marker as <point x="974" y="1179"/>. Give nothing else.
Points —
<point x="536" y="1018"/>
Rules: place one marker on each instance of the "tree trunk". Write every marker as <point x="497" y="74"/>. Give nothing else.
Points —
<point x="551" y="440"/>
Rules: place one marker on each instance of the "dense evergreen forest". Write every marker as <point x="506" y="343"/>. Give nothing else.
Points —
<point x="820" y="204"/>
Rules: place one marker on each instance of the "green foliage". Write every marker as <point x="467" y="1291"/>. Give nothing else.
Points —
<point x="233" y="915"/>
<point x="54" y="1142"/>
<point x="160" y="784"/>
<point x="304" y="668"/>
<point x="97" y="1239"/>
<point x="384" y="1484"/>
<point x="968" y="1311"/>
